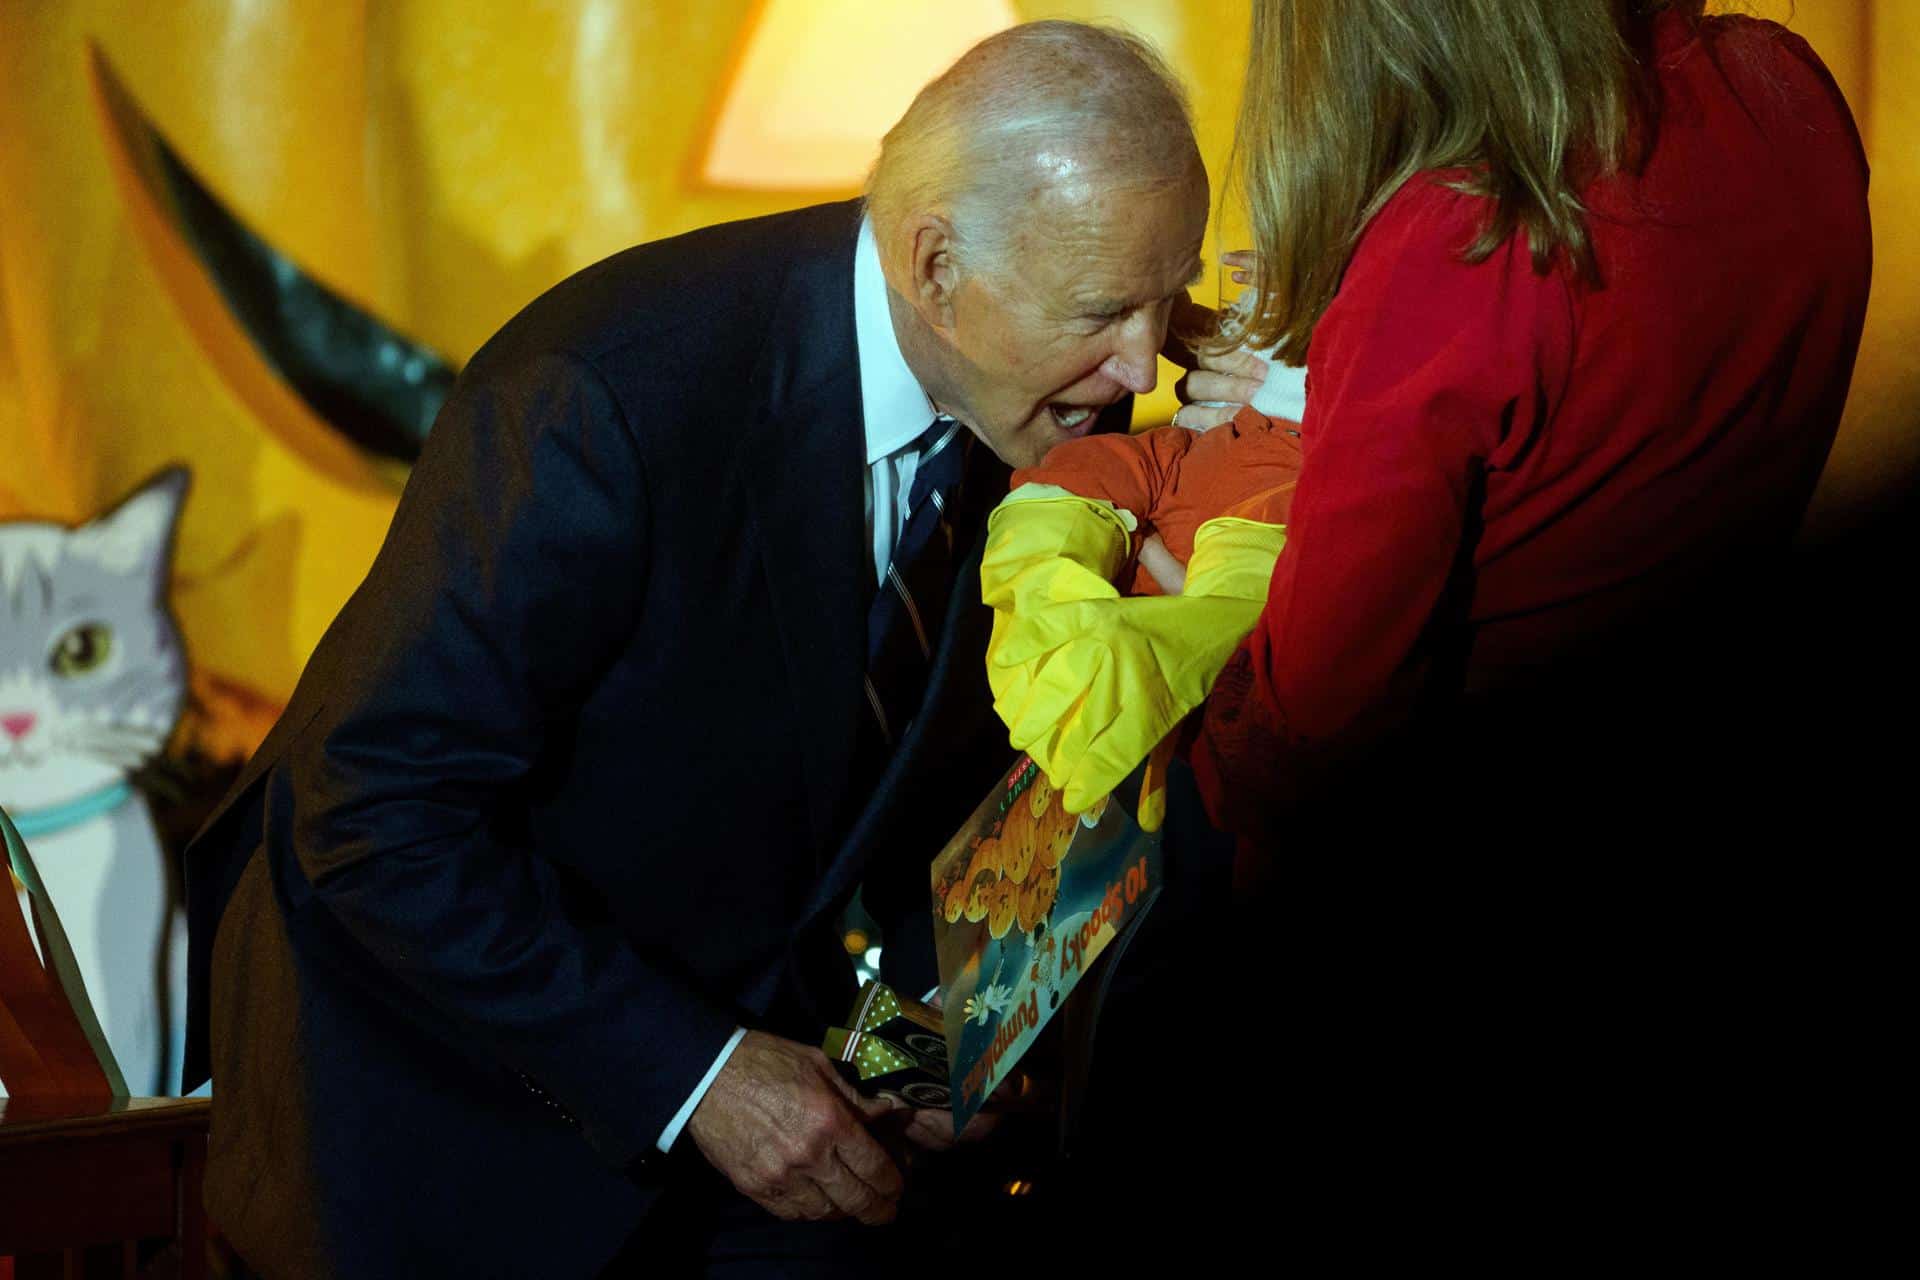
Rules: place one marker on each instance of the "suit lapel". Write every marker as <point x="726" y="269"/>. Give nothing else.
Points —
<point x="801" y="464"/>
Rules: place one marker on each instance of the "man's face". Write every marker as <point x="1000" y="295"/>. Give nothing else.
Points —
<point x="1075" y="318"/>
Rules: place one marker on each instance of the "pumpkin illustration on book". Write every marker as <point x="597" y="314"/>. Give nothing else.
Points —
<point x="1002" y="906"/>
<point x="1036" y="896"/>
<point x="980" y="894"/>
<point x="988" y="856"/>
<point x="1002" y="983"/>
<point x="950" y="885"/>
<point x="1054" y="832"/>
<point x="953" y="903"/>
<point x="1019" y="848"/>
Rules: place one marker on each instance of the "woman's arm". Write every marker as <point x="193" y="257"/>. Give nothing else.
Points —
<point x="1424" y="369"/>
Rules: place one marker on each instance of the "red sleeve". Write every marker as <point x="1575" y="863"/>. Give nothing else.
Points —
<point x="1424" y="371"/>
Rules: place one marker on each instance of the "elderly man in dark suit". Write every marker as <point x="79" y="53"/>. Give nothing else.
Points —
<point x="676" y="639"/>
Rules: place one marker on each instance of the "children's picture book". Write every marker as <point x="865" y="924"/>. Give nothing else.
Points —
<point x="1026" y="896"/>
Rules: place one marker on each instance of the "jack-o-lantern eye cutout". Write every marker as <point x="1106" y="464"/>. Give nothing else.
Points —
<point x="329" y="379"/>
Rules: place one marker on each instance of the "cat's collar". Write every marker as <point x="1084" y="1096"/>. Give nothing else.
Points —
<point x="57" y="818"/>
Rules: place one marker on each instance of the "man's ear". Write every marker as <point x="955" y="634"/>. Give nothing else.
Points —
<point x="933" y="277"/>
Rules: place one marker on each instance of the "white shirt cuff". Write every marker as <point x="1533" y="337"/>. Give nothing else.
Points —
<point x="685" y="1113"/>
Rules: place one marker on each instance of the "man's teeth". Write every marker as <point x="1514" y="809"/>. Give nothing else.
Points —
<point x="1071" y="415"/>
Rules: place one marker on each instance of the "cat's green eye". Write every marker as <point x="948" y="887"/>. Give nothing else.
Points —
<point x="82" y="649"/>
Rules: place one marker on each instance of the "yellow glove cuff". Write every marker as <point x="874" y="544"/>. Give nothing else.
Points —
<point x="1045" y="545"/>
<point x="1233" y="558"/>
<point x="1033" y="491"/>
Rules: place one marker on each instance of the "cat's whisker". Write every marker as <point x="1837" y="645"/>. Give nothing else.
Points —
<point x="148" y="730"/>
<point x="124" y="763"/>
<point x="116" y="753"/>
<point x="100" y="740"/>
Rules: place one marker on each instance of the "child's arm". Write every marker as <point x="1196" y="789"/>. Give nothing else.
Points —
<point x="1088" y="681"/>
<point x="1163" y="565"/>
<point x="1135" y="473"/>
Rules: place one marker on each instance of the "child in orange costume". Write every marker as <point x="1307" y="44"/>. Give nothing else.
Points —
<point x="1174" y="480"/>
<point x="1188" y="526"/>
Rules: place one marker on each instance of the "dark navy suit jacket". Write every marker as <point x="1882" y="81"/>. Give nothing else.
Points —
<point x="564" y="794"/>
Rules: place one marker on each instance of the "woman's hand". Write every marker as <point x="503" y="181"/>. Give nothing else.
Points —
<point x="1215" y="386"/>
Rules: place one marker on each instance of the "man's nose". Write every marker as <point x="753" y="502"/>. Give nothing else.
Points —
<point x="1135" y="362"/>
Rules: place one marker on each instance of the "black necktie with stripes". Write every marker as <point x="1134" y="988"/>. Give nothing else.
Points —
<point x="909" y="608"/>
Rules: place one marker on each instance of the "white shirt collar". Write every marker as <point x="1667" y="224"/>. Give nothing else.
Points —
<point x="895" y="408"/>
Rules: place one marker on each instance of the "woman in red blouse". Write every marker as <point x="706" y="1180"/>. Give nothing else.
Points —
<point x="1578" y="285"/>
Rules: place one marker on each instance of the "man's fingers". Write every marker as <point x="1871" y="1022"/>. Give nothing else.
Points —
<point x="850" y="1196"/>
<point x="782" y="1125"/>
<point x="856" y="1197"/>
<point x="878" y="1108"/>
<point x="869" y="1162"/>
<point x="858" y="1150"/>
<point x="799" y="1200"/>
<point x="869" y="1108"/>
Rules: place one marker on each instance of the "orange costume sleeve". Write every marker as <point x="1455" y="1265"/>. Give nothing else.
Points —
<point x="1174" y="480"/>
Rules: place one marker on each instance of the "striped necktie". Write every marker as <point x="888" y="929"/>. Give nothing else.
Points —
<point x="909" y="608"/>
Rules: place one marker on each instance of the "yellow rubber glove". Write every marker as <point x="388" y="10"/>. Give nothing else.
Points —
<point x="1086" y="681"/>
<point x="1233" y="559"/>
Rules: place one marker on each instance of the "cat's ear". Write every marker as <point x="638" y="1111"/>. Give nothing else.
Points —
<point x="138" y="534"/>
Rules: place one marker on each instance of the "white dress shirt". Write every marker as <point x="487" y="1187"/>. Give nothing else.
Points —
<point x="895" y="411"/>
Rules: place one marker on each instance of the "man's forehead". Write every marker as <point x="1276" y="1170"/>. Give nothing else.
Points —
<point x="1149" y="286"/>
<point x="1136" y="243"/>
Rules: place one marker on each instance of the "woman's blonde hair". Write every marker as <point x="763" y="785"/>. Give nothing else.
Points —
<point x="1345" y="100"/>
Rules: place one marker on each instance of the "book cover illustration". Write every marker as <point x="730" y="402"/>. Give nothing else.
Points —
<point x="1026" y="896"/>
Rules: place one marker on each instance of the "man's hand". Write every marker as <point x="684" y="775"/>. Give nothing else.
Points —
<point x="791" y="1135"/>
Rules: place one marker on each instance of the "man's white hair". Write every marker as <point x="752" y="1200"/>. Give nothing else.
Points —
<point x="1038" y="105"/>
